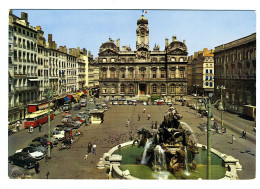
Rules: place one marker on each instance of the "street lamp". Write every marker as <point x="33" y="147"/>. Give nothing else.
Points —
<point x="220" y="107"/>
<point x="207" y="104"/>
<point x="49" y="93"/>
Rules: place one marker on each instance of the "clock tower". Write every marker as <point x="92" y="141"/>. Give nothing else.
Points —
<point x="142" y="33"/>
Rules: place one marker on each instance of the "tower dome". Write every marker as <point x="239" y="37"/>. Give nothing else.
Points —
<point x="142" y="20"/>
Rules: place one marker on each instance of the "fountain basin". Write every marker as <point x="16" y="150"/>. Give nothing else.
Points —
<point x="223" y="166"/>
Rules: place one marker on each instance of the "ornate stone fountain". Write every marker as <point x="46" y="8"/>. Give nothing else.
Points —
<point x="170" y="148"/>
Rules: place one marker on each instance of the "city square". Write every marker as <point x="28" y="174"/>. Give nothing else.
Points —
<point x="174" y="110"/>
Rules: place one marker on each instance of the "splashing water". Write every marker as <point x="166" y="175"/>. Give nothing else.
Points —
<point x="161" y="175"/>
<point x="192" y="133"/>
<point x="159" y="158"/>
<point x="145" y="158"/>
<point x="186" y="172"/>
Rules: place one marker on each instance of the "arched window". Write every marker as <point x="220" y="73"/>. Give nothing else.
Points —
<point x="162" y="73"/>
<point x="172" y="88"/>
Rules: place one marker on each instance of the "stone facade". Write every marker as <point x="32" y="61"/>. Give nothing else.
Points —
<point x="235" y="68"/>
<point x="36" y="64"/>
<point x="201" y="72"/>
<point x="142" y="73"/>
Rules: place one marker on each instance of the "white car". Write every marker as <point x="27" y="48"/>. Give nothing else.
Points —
<point x="32" y="152"/>
<point x="59" y="135"/>
<point x="115" y="103"/>
<point x="125" y="103"/>
<point x="145" y="103"/>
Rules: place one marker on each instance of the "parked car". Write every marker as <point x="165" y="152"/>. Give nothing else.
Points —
<point x="120" y="102"/>
<point x="80" y="119"/>
<point x="125" y="102"/>
<point x="77" y="107"/>
<point x="32" y="151"/>
<point x="66" y="119"/>
<point x="115" y="103"/>
<point x="44" y="141"/>
<point x="59" y="136"/>
<point x="66" y="113"/>
<point x="38" y="146"/>
<point x="169" y="103"/>
<point x="130" y="102"/>
<point x="145" y="103"/>
<point x="22" y="159"/>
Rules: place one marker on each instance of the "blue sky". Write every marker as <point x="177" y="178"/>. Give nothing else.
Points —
<point x="90" y="28"/>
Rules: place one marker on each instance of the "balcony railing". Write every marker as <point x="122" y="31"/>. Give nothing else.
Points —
<point x="19" y="89"/>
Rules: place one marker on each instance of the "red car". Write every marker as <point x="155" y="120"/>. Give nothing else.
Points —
<point x="79" y="119"/>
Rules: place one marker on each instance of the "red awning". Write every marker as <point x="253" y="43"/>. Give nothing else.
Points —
<point x="84" y="91"/>
<point x="69" y="96"/>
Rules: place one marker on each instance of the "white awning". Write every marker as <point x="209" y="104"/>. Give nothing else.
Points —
<point x="34" y="79"/>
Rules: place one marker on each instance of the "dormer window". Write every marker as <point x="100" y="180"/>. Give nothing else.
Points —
<point x="104" y="60"/>
<point x="173" y="59"/>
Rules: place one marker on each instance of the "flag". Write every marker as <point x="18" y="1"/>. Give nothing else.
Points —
<point x="144" y="11"/>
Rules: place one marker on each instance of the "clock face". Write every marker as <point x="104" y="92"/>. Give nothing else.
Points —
<point x="142" y="32"/>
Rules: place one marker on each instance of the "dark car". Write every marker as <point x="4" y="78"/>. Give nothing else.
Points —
<point x="22" y="159"/>
<point x="43" y="141"/>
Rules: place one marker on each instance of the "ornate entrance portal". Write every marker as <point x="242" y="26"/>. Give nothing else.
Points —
<point x="142" y="89"/>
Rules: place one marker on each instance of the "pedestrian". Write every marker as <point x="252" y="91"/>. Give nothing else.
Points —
<point x="244" y="134"/>
<point x="139" y="117"/>
<point x="18" y="126"/>
<point x="40" y="127"/>
<point x="89" y="147"/>
<point x="94" y="149"/>
<point x="233" y="139"/>
<point x="37" y="167"/>
<point x="149" y="116"/>
<point x="127" y="124"/>
<point x="155" y="125"/>
<point x="152" y="124"/>
<point x="144" y="110"/>
<point x="31" y="129"/>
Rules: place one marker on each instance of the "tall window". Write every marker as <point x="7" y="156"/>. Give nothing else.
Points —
<point x="104" y="74"/>
<point x="154" y="87"/>
<point x="154" y="73"/>
<point x="131" y="89"/>
<point x="122" y="89"/>
<point x="112" y="74"/>
<point x="122" y="73"/>
<point x="131" y="73"/>
<point x="210" y="71"/>
<point x="207" y="77"/>
<point x="163" y="89"/>
<point x="207" y="71"/>
<point x="142" y="73"/>
<point x="113" y="89"/>
<point x="172" y="88"/>
<point x="181" y="73"/>
<point x="162" y="73"/>
<point x="104" y="60"/>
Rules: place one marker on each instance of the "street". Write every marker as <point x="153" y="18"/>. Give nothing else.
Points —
<point x="70" y="164"/>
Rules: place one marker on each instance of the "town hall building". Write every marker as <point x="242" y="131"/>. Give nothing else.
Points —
<point x="142" y="73"/>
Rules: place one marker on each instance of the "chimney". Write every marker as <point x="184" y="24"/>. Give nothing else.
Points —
<point x="24" y="16"/>
<point x="166" y="42"/>
<point x="118" y="43"/>
<point x="49" y="38"/>
<point x="174" y="38"/>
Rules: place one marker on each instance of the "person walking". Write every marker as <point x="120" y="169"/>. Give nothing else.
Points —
<point x="144" y="110"/>
<point x="233" y="139"/>
<point x="155" y="125"/>
<point x="139" y="117"/>
<point x="149" y="116"/>
<point x="152" y="124"/>
<point x="18" y="126"/>
<point x="40" y="127"/>
<point x="127" y="123"/>
<point x="37" y="167"/>
<point x="244" y="134"/>
<point x="89" y="147"/>
<point x="94" y="148"/>
<point x="31" y="129"/>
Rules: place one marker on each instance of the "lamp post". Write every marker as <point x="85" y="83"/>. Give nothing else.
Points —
<point x="220" y="107"/>
<point x="208" y="105"/>
<point x="48" y="94"/>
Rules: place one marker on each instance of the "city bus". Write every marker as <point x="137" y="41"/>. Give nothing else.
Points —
<point x="40" y="117"/>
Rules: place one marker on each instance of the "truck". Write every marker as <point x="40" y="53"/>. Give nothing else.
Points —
<point x="249" y="112"/>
